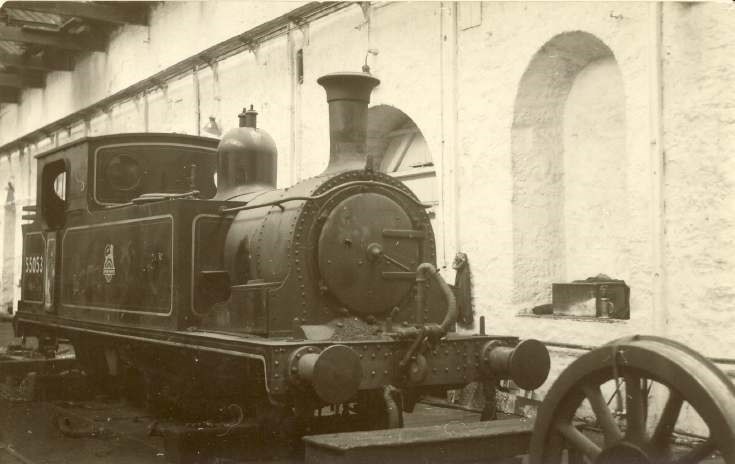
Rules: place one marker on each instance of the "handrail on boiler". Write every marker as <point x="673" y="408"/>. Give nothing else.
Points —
<point x="324" y="194"/>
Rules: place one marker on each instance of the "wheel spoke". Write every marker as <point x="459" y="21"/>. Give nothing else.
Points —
<point x="642" y="368"/>
<point x="635" y="414"/>
<point x="578" y="440"/>
<point x="604" y="416"/>
<point x="699" y="452"/>
<point x="665" y="427"/>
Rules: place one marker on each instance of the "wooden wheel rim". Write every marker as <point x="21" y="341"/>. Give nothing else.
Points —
<point x="683" y="371"/>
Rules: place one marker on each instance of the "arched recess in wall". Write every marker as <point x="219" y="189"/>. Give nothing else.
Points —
<point x="397" y="145"/>
<point x="569" y="168"/>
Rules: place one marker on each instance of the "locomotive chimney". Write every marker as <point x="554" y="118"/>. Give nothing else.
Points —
<point x="246" y="159"/>
<point x="348" y="95"/>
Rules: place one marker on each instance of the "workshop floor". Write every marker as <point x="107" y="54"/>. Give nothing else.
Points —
<point x="29" y="432"/>
<point x="6" y="333"/>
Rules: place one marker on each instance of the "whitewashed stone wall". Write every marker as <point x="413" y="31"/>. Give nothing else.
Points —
<point x="699" y="144"/>
<point x="512" y="172"/>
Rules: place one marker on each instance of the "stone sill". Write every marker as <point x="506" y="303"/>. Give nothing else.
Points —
<point x="605" y="320"/>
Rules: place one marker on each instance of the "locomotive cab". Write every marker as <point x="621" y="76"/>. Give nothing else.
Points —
<point x="86" y="187"/>
<point x="95" y="173"/>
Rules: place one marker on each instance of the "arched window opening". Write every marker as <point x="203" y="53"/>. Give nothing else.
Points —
<point x="399" y="148"/>
<point x="406" y="151"/>
<point x="595" y="173"/>
<point x="569" y="168"/>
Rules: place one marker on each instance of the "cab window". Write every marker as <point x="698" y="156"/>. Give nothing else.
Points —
<point x="53" y="191"/>
<point x="125" y="172"/>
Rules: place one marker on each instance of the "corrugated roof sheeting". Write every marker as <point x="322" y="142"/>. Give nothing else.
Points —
<point x="14" y="48"/>
<point x="39" y="37"/>
<point x="52" y="21"/>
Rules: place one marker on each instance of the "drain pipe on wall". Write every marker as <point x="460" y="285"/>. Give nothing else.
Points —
<point x="145" y="111"/>
<point x="197" y="101"/>
<point x="658" y="165"/>
<point x="293" y="122"/>
<point x="449" y="187"/>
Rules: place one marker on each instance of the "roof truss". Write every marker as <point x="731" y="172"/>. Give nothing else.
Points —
<point x="45" y="62"/>
<point x="9" y="95"/>
<point x="39" y="36"/>
<point x="19" y="81"/>
<point x="59" y="40"/>
<point x="86" y="10"/>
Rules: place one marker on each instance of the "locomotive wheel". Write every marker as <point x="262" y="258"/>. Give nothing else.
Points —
<point x="281" y="429"/>
<point x="636" y="363"/>
<point x="91" y="358"/>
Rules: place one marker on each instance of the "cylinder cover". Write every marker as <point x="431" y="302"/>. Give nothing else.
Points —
<point x="355" y="254"/>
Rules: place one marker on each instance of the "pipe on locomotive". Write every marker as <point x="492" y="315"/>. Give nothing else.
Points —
<point x="527" y="363"/>
<point x="435" y="331"/>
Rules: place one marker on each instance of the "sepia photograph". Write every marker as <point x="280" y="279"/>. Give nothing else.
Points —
<point x="338" y="232"/>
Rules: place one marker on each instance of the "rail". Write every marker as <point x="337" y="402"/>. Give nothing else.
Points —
<point x="15" y="454"/>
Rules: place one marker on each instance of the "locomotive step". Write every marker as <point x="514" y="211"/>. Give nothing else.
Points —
<point x="452" y="442"/>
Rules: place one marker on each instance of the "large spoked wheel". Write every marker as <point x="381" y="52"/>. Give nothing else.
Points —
<point x="632" y="392"/>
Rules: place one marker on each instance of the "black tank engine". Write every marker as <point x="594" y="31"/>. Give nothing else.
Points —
<point x="231" y="291"/>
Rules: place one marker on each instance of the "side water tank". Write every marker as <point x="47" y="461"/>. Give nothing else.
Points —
<point x="246" y="159"/>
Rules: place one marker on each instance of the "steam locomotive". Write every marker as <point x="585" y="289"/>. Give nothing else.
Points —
<point x="203" y="293"/>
